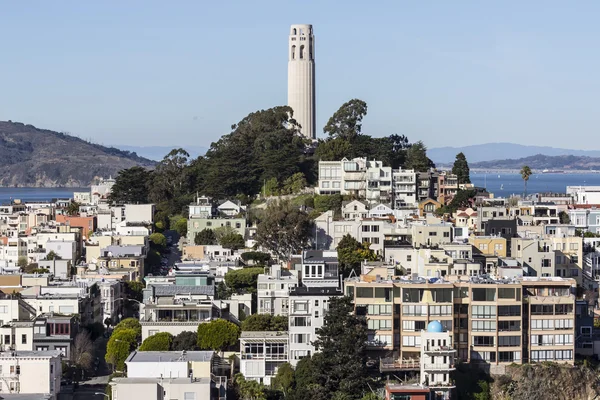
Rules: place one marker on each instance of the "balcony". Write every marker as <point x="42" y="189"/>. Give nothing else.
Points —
<point x="438" y="367"/>
<point x="441" y="385"/>
<point x="439" y="349"/>
<point x="390" y="364"/>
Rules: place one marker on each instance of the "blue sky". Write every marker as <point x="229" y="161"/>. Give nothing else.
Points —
<point x="180" y="73"/>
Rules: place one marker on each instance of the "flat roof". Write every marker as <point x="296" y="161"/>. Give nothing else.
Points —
<point x="315" y="291"/>
<point x="169" y="356"/>
<point x="23" y="353"/>
<point x="141" y="381"/>
<point x="264" y="334"/>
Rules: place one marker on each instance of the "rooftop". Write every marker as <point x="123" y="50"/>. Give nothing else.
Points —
<point x="142" y="381"/>
<point x="38" y="354"/>
<point x="170" y="356"/>
<point x="172" y="290"/>
<point x="263" y="334"/>
<point x="315" y="291"/>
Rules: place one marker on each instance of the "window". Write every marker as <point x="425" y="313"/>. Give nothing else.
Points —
<point x="506" y="293"/>
<point x="483" y="341"/>
<point x="411" y="341"/>
<point x="440" y="310"/>
<point x="509" y="356"/>
<point x="446" y="234"/>
<point x="483" y="326"/>
<point x="300" y="321"/>
<point x="23" y="339"/>
<point x="484" y="294"/>
<point x="408" y="257"/>
<point x="414" y="310"/>
<point x="189" y="396"/>
<point x="379" y="309"/>
<point x="504" y="326"/>
<point x="380" y="324"/>
<point x="301" y="338"/>
<point x="413" y="326"/>
<point x="3" y="309"/>
<point x="483" y="311"/>
<point x="509" y="341"/>
<point x="542" y="355"/>
<point x="509" y="311"/>
<point x="563" y="340"/>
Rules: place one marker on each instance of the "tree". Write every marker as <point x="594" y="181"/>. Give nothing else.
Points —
<point x="205" y="237"/>
<point x="265" y="322"/>
<point x="73" y="208"/>
<point x="284" y="379"/>
<point x="22" y="262"/>
<point x="342" y="343"/>
<point x="223" y="293"/>
<point x="484" y="393"/>
<point x="271" y="187"/>
<point x="158" y="239"/>
<point x="333" y="149"/>
<point x="285" y="230"/>
<point x="248" y="389"/>
<point x="525" y="174"/>
<point x="294" y="184"/>
<point x="169" y="180"/>
<point x="186" y="340"/>
<point x="265" y="144"/>
<point x="461" y="169"/>
<point x="129" y="323"/>
<point x="217" y="335"/>
<point x="222" y="231"/>
<point x="256" y="256"/>
<point x="53" y="256"/>
<point x="416" y="158"/>
<point x="372" y="396"/>
<point x="351" y="254"/>
<point x="564" y="218"/>
<point x="120" y="344"/>
<point x="243" y="280"/>
<point x="160" y="341"/>
<point x="233" y="241"/>
<point x="179" y="224"/>
<point x="131" y="186"/>
<point x="346" y="122"/>
<point x="133" y="290"/>
<point x="83" y="350"/>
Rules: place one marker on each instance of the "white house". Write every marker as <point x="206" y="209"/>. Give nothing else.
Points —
<point x="31" y="372"/>
<point x="261" y="353"/>
<point x="139" y="213"/>
<point x="273" y="290"/>
<point x="159" y="375"/>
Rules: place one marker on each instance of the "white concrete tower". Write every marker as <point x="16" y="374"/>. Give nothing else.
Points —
<point x="301" y="78"/>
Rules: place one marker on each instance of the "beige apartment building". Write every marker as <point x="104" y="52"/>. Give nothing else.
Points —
<point x="494" y="322"/>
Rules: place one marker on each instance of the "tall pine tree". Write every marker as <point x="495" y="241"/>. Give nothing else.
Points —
<point x="461" y="169"/>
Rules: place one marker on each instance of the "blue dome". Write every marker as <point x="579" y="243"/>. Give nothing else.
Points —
<point x="435" y="327"/>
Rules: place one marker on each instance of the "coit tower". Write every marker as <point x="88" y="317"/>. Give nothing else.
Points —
<point x="301" y="78"/>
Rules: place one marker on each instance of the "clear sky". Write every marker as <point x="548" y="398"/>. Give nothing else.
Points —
<point x="181" y="72"/>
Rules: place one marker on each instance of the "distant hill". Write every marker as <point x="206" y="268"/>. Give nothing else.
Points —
<point x="497" y="151"/>
<point x="32" y="157"/>
<point x="541" y="162"/>
<point x="157" y="153"/>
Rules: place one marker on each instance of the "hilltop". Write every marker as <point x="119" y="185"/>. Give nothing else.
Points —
<point x="35" y="157"/>
<point x="495" y="151"/>
<point x="540" y="161"/>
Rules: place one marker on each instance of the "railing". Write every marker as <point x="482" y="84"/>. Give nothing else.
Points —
<point x="264" y="357"/>
<point x="440" y="367"/>
<point x="390" y="364"/>
<point x="439" y="349"/>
